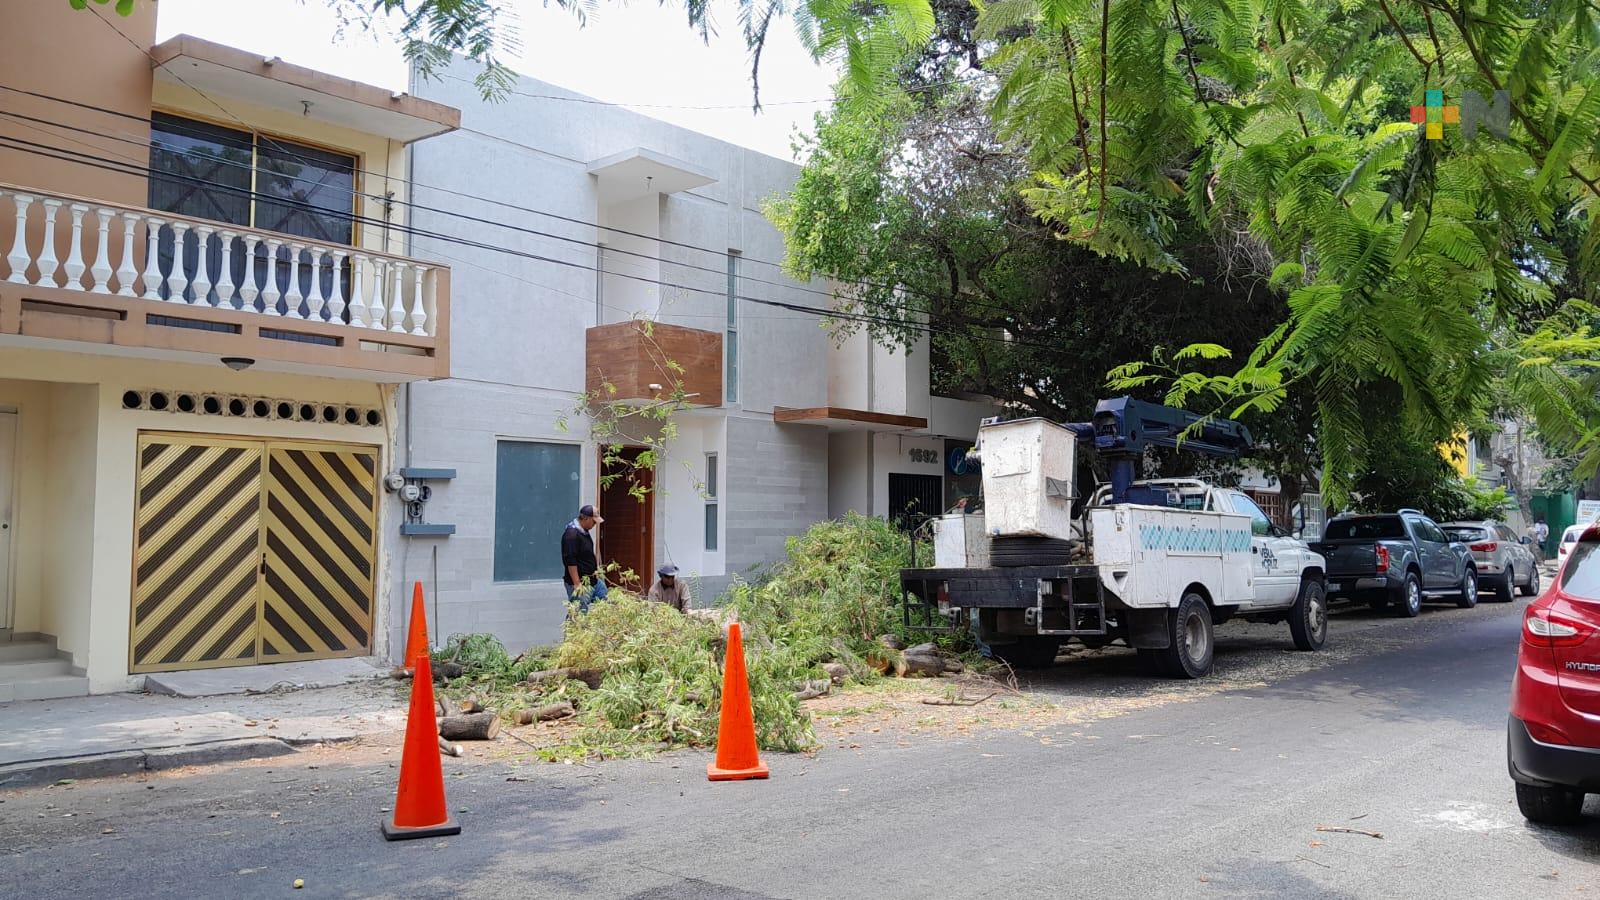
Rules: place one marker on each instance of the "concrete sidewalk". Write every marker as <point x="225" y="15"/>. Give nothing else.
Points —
<point x="112" y="734"/>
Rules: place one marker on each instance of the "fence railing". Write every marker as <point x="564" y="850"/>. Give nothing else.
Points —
<point x="77" y="244"/>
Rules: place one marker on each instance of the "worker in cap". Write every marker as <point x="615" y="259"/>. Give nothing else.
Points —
<point x="580" y="566"/>
<point x="669" y="590"/>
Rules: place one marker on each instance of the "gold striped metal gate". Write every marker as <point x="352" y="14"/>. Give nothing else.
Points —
<point x="251" y="551"/>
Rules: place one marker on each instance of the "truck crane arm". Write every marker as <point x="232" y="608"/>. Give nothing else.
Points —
<point x="1123" y="427"/>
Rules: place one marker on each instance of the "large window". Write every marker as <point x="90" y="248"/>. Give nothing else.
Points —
<point x="535" y="496"/>
<point x="711" y="502"/>
<point x="255" y="181"/>
<point x="730" y="365"/>
<point x="241" y="178"/>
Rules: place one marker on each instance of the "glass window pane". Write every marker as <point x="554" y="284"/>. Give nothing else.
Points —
<point x="711" y="475"/>
<point x="305" y="191"/>
<point x="730" y="366"/>
<point x="199" y="169"/>
<point x="535" y="496"/>
<point x="732" y="391"/>
<point x="711" y="526"/>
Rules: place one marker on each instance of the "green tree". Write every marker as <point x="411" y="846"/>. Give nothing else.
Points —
<point x="1280" y="128"/>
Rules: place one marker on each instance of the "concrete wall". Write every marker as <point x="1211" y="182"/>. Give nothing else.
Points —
<point x="777" y="487"/>
<point x="73" y="554"/>
<point x="517" y="340"/>
<point x="71" y="54"/>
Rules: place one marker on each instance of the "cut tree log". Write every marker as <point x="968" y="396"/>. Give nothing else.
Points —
<point x="444" y="670"/>
<point x="554" y="711"/>
<point x="811" y="690"/>
<point x="475" y="727"/>
<point x="471" y="705"/>
<point x="590" y="677"/>
<point x="449" y="749"/>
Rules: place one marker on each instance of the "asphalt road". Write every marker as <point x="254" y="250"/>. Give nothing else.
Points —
<point x="1208" y="790"/>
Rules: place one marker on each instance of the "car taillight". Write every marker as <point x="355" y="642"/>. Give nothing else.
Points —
<point x="1544" y="734"/>
<point x="1486" y="547"/>
<point x="1554" y="631"/>
<point x="1383" y="557"/>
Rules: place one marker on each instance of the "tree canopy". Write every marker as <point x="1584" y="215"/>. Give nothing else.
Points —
<point x="1262" y="147"/>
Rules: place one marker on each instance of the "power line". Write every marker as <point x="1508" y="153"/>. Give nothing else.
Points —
<point x="129" y="139"/>
<point x="926" y="328"/>
<point x="502" y="203"/>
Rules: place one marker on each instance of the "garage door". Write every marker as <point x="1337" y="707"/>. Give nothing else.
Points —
<point x="251" y="551"/>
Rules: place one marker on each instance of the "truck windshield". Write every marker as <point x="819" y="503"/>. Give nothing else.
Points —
<point x="1580" y="577"/>
<point x="1369" y="528"/>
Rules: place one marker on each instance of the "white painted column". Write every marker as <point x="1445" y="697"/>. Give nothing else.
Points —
<point x="177" y="280"/>
<point x="269" y="290"/>
<point x="247" y="284"/>
<point x="47" y="253"/>
<point x="152" y="259"/>
<point x="202" y="271"/>
<point x="358" y="299"/>
<point x="225" y="269"/>
<point x="127" y="273"/>
<point x="419" y="311"/>
<point x="19" y="257"/>
<point x="397" y="310"/>
<point x="74" y="267"/>
<point x="336" y="302"/>
<point x="292" y="297"/>
<point x="314" y="301"/>
<point x="101" y="270"/>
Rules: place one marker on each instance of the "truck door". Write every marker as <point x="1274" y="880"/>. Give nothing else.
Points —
<point x="1438" y="564"/>
<point x="1274" y="558"/>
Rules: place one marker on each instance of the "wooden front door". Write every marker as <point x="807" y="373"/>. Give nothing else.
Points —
<point x="627" y="539"/>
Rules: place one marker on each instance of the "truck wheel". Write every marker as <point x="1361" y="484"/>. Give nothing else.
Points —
<point x="1531" y="589"/>
<point x="1308" y="619"/>
<point x="1409" y="603"/>
<point x="1505" y="591"/>
<point x="1190" y="654"/>
<point x="1468" y="598"/>
<point x="1028" y="652"/>
<point x="1549" y="805"/>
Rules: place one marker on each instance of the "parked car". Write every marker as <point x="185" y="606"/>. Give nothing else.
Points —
<point x="1569" y="539"/>
<point x="1553" y="737"/>
<point x="1396" y="558"/>
<point x="1505" y="564"/>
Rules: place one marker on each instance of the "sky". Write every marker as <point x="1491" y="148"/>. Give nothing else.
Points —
<point x="643" y="56"/>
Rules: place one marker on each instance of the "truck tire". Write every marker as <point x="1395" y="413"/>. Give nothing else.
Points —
<point x="1028" y="652"/>
<point x="1505" y="589"/>
<point x="1531" y="589"/>
<point x="1193" y="640"/>
<point x="1016" y="551"/>
<point x="1409" y="604"/>
<point x="1308" y="618"/>
<point x="1468" y="598"/>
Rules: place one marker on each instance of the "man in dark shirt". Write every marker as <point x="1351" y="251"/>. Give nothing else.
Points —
<point x="579" y="564"/>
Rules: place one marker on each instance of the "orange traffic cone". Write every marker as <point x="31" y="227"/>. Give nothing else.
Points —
<point x="419" y="809"/>
<point x="417" y="640"/>
<point x="736" y="733"/>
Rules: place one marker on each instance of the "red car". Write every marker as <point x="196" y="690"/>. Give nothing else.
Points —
<point x="1553" y="743"/>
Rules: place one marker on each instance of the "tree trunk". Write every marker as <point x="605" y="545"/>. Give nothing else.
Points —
<point x="474" y="727"/>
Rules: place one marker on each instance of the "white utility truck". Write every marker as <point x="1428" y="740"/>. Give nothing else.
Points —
<point x="1152" y="563"/>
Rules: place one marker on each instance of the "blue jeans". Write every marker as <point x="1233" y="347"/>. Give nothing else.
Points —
<point x="584" y="598"/>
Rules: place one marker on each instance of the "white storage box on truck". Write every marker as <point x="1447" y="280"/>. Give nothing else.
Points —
<point x="1157" y="570"/>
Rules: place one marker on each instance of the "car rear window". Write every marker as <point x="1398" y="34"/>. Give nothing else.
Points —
<point x="1571" y="537"/>
<point x="1465" y="534"/>
<point x="1366" y="528"/>
<point x="1580" y="577"/>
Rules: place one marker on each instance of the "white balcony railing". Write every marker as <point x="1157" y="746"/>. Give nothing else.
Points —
<point x="132" y="252"/>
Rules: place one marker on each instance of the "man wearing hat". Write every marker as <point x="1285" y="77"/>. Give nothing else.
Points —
<point x="578" y="559"/>
<point x="669" y="590"/>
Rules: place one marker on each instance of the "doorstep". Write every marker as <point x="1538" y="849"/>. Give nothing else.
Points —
<point x="264" y="679"/>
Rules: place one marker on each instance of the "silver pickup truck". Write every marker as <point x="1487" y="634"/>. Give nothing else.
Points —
<point x="1396" y="559"/>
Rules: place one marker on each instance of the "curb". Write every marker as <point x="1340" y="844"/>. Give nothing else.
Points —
<point x="128" y="762"/>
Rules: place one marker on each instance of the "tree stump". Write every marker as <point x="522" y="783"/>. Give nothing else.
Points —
<point x="474" y="727"/>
